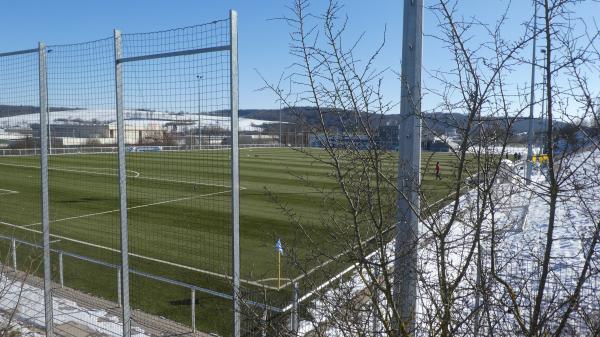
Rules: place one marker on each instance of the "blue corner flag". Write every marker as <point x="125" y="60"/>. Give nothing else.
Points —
<point x="279" y="247"/>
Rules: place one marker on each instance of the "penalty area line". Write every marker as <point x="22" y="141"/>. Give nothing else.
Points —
<point x="173" y="264"/>
<point x="129" y="208"/>
<point x="68" y="169"/>
<point x="136" y="175"/>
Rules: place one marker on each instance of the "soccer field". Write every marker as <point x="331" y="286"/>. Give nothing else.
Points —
<point x="179" y="217"/>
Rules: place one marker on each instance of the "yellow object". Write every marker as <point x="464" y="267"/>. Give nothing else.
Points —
<point x="542" y="158"/>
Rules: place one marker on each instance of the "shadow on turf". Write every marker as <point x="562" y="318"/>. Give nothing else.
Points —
<point x="186" y="301"/>
<point x="84" y="199"/>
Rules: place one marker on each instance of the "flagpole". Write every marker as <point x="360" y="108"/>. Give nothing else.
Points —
<point x="279" y="250"/>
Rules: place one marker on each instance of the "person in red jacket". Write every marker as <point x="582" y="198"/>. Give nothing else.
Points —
<point x="437" y="171"/>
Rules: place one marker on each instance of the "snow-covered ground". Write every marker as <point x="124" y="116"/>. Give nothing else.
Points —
<point x="509" y="149"/>
<point x="131" y="116"/>
<point x="26" y="303"/>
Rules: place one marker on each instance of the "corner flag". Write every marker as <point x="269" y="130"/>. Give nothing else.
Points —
<point x="279" y="247"/>
<point x="279" y="250"/>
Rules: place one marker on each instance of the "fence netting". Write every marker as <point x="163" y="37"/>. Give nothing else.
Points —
<point x="177" y="111"/>
<point x="177" y="125"/>
<point x="83" y="185"/>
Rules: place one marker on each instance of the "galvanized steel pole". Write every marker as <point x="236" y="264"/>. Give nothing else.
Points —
<point x="44" y="192"/>
<point x="280" y="132"/>
<point x="235" y="175"/>
<point x="13" y="250"/>
<point x="543" y="131"/>
<point x="193" y="302"/>
<point x="530" y="132"/>
<point x="295" y="310"/>
<point x="61" y="274"/>
<point x="409" y="162"/>
<point x="119" y="297"/>
<point x="122" y="188"/>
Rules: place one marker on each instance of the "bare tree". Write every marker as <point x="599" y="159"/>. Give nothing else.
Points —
<point x="482" y="269"/>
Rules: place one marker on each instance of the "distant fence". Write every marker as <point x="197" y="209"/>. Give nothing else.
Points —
<point x="113" y="149"/>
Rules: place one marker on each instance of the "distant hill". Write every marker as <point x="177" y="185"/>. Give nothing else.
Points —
<point x="440" y="122"/>
<point x="16" y="110"/>
<point x="309" y="115"/>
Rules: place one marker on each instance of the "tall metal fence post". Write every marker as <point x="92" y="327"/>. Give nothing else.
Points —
<point x="13" y="251"/>
<point x="235" y="178"/>
<point x="119" y="295"/>
<point x="193" y="298"/>
<point x="409" y="162"/>
<point x="295" y="319"/>
<point x="61" y="270"/>
<point x="122" y="188"/>
<point x="44" y="191"/>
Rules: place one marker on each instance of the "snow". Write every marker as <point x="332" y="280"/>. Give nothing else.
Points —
<point x="11" y="136"/>
<point x="27" y="303"/>
<point x="132" y="117"/>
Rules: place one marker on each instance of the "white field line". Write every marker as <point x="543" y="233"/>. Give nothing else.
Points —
<point x="132" y="207"/>
<point x="186" y="182"/>
<point x="274" y="279"/>
<point x="76" y="169"/>
<point x="7" y="192"/>
<point x="136" y="175"/>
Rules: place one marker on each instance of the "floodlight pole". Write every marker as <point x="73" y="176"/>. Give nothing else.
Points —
<point x="530" y="132"/>
<point x="199" y="119"/>
<point x="235" y="174"/>
<point x="542" y="143"/>
<point x="43" y="92"/>
<point x="280" y="133"/>
<point x="409" y="162"/>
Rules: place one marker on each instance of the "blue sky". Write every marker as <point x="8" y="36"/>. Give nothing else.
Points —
<point x="263" y="43"/>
